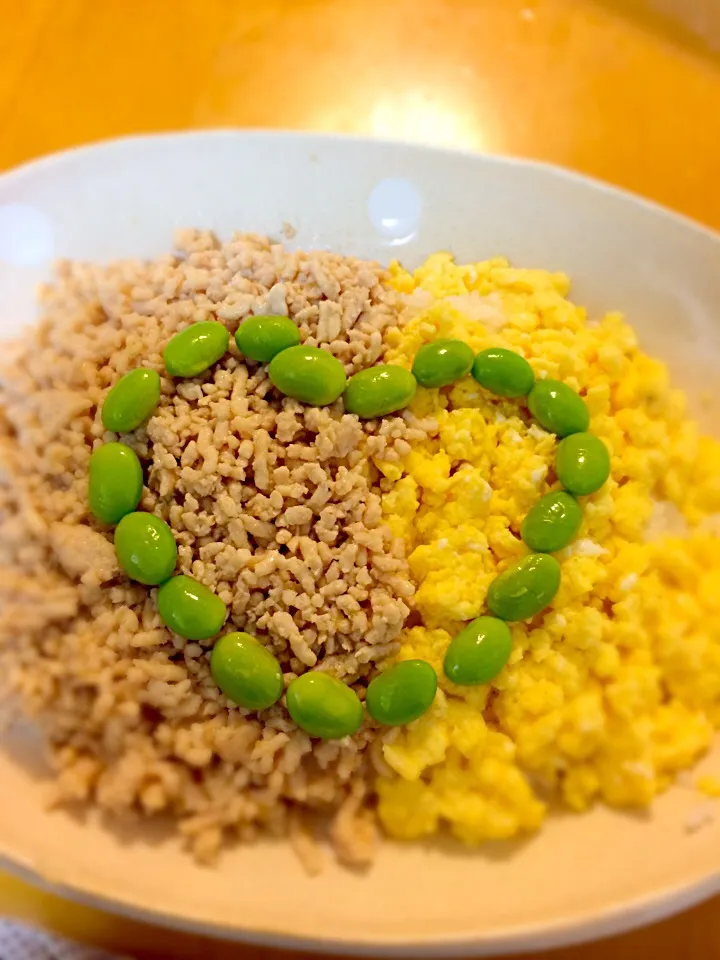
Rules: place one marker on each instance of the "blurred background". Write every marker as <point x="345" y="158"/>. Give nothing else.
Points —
<point x="624" y="90"/>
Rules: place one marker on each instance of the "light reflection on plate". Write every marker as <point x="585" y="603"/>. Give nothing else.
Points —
<point x="395" y="209"/>
<point x="26" y="235"/>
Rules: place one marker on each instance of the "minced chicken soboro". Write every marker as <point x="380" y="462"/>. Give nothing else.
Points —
<point x="272" y="504"/>
<point x="317" y="529"/>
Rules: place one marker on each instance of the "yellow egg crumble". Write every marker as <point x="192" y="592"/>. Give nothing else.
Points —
<point x="616" y="687"/>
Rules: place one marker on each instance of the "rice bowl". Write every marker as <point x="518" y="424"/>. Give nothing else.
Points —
<point x="486" y="319"/>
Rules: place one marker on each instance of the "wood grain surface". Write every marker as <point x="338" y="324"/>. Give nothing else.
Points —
<point x="621" y="90"/>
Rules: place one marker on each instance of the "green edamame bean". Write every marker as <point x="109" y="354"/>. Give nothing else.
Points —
<point x="503" y="372"/>
<point x="196" y="348"/>
<point x="402" y="693"/>
<point x="246" y="671"/>
<point x="479" y="652"/>
<point x="324" y="706"/>
<point x="115" y="482"/>
<point x="189" y="609"/>
<point x="442" y="362"/>
<point x="558" y="408"/>
<point x="552" y="522"/>
<point x="262" y="338"/>
<point x="131" y="401"/>
<point x="379" y="390"/>
<point x="582" y="463"/>
<point x="308" y="374"/>
<point x="146" y="548"/>
<point x="525" y="588"/>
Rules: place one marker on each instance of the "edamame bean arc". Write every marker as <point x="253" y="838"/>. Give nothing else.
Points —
<point x="552" y="522"/>
<point x="246" y="671"/>
<point x="479" y="652"/>
<point x="402" y="692"/>
<point x="196" y="348"/>
<point x="190" y="609"/>
<point x="115" y="482"/>
<point x="582" y="463"/>
<point x="324" y="706"/>
<point x="525" y="588"/>
<point x="442" y="362"/>
<point x="379" y="391"/>
<point x="308" y="374"/>
<point x="503" y="372"/>
<point x="131" y="401"/>
<point x="558" y="408"/>
<point x="145" y="548"/>
<point x="262" y="337"/>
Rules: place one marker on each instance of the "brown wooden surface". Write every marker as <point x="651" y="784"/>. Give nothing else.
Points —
<point x="621" y="90"/>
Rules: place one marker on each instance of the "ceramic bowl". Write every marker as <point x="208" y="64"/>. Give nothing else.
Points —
<point x="582" y="876"/>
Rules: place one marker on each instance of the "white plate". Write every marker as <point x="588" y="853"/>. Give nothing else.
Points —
<point x="582" y="876"/>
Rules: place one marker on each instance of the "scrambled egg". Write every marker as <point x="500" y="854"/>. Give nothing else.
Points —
<point x="616" y="687"/>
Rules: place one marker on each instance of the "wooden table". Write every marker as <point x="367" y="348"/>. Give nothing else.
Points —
<point x="615" y="88"/>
